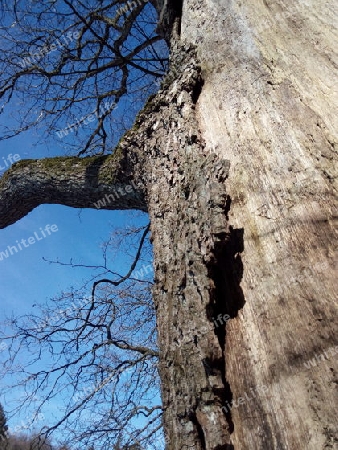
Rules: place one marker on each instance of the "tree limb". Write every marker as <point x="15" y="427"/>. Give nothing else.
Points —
<point x="102" y="182"/>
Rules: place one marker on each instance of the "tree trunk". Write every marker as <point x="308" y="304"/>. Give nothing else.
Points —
<point x="188" y="207"/>
<point x="266" y="104"/>
<point x="244" y="268"/>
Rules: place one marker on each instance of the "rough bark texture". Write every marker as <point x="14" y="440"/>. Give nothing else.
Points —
<point x="75" y="182"/>
<point x="268" y="105"/>
<point x="188" y="207"/>
<point x="259" y="94"/>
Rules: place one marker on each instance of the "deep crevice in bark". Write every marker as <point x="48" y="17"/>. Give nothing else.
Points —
<point x="225" y="447"/>
<point x="196" y="92"/>
<point x="228" y="273"/>
<point x="226" y="270"/>
<point x="199" y="429"/>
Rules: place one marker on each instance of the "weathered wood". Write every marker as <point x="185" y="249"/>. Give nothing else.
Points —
<point x="269" y="106"/>
<point x="257" y="250"/>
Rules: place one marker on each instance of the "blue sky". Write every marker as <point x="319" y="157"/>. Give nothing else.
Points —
<point x="25" y="278"/>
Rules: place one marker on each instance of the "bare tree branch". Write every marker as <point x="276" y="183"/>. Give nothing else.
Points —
<point x="75" y="60"/>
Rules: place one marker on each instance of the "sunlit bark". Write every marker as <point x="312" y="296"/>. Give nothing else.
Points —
<point x="256" y="250"/>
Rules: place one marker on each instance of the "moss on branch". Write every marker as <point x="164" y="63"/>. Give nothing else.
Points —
<point x="71" y="181"/>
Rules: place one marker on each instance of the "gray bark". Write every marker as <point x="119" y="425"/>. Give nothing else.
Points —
<point x="75" y="182"/>
<point x="188" y="208"/>
<point x="268" y="105"/>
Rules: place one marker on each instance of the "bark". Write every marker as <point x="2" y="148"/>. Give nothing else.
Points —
<point x="75" y="182"/>
<point x="255" y="105"/>
<point x="188" y="208"/>
<point x="268" y="106"/>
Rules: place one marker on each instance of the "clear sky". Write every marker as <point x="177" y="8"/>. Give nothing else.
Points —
<point x="25" y="278"/>
<point x="55" y="232"/>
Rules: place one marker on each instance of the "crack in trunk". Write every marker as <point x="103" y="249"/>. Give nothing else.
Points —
<point x="196" y="260"/>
